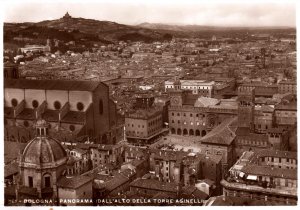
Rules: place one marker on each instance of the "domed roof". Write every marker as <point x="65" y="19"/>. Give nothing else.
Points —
<point x="43" y="150"/>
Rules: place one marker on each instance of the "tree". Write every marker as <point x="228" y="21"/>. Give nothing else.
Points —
<point x="168" y="37"/>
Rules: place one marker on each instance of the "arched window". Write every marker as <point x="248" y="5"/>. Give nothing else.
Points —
<point x="26" y="123"/>
<point x="100" y="106"/>
<point x="72" y="127"/>
<point x="47" y="180"/>
<point x="173" y="130"/>
<point x="35" y="104"/>
<point x="80" y="106"/>
<point x="57" y="105"/>
<point x="14" y="102"/>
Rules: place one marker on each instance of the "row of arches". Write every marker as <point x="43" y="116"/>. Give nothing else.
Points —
<point x="186" y="132"/>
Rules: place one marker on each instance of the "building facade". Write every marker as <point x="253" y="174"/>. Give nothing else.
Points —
<point x="73" y="109"/>
<point x="266" y="175"/>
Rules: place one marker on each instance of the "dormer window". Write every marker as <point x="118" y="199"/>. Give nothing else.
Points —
<point x="35" y="104"/>
<point x="14" y="102"/>
<point x="80" y="106"/>
<point x="57" y="105"/>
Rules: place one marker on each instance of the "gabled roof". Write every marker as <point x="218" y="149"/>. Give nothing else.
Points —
<point x="268" y="171"/>
<point x="205" y="102"/>
<point x="74" y="182"/>
<point x="223" y="134"/>
<point x="155" y="185"/>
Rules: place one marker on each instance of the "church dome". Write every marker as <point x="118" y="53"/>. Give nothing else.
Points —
<point x="43" y="149"/>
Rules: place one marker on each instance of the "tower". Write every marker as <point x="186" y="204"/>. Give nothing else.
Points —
<point x="177" y="84"/>
<point x="246" y="100"/>
<point x="263" y="55"/>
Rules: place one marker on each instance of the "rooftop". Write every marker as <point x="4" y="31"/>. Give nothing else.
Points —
<point x="51" y="84"/>
<point x="205" y="102"/>
<point x="222" y="134"/>
<point x="154" y="185"/>
<point x="269" y="171"/>
<point x="73" y="182"/>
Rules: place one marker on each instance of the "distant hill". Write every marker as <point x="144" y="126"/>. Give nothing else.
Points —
<point x="174" y="27"/>
<point x="89" y="31"/>
<point x="81" y="28"/>
<point x="104" y="29"/>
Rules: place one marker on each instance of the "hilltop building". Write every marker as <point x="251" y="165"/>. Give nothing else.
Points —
<point x="67" y="16"/>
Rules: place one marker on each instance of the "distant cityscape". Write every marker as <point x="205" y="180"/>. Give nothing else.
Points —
<point x="102" y="114"/>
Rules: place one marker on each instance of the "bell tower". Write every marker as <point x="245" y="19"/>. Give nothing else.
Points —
<point x="246" y="105"/>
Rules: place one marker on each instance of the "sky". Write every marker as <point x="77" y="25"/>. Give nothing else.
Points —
<point x="212" y="12"/>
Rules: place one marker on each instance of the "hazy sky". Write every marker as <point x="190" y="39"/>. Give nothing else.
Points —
<point x="232" y="13"/>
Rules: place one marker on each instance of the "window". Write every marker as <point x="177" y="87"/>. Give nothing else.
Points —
<point x="35" y="104"/>
<point x="72" y="127"/>
<point x="26" y="123"/>
<point x="101" y="106"/>
<point x="57" y="105"/>
<point x="191" y="115"/>
<point x="172" y="113"/>
<point x="30" y="181"/>
<point x="47" y="181"/>
<point x="14" y="102"/>
<point x="178" y="114"/>
<point x="80" y="106"/>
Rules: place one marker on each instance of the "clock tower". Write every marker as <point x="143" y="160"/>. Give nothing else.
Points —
<point x="176" y="98"/>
